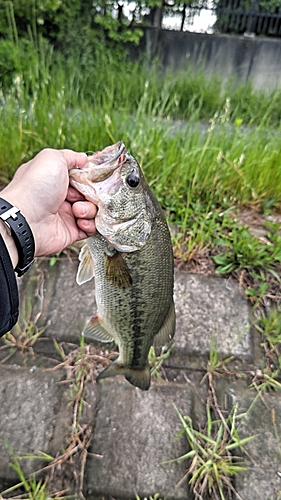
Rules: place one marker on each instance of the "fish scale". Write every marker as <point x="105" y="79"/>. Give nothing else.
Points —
<point x="133" y="288"/>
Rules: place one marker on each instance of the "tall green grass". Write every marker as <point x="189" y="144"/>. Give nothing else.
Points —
<point x="52" y="102"/>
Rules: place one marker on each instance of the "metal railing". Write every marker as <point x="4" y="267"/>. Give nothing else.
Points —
<point x="233" y="18"/>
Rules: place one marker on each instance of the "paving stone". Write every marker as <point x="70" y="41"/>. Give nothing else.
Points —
<point x="262" y="484"/>
<point x="33" y="415"/>
<point x="209" y="308"/>
<point x="261" y="480"/>
<point x="133" y="435"/>
<point x="68" y="305"/>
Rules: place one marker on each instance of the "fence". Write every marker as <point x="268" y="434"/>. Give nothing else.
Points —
<point x="234" y="17"/>
<point x="256" y="20"/>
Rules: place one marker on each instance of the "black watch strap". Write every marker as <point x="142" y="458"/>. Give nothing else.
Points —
<point x="21" y="233"/>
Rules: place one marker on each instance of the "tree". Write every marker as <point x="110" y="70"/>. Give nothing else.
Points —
<point x="57" y="19"/>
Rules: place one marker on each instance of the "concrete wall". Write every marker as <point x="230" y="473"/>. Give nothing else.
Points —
<point x="243" y="58"/>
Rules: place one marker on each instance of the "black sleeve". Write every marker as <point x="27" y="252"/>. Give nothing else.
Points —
<point x="9" y="297"/>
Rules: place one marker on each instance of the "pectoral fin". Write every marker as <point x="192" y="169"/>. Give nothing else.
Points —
<point x="86" y="266"/>
<point x="96" y="331"/>
<point x="167" y="330"/>
<point x="138" y="377"/>
<point x="117" y="271"/>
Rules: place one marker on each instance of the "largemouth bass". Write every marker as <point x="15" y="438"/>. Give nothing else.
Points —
<point x="132" y="260"/>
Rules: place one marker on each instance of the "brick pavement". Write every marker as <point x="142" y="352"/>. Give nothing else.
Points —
<point x="133" y="431"/>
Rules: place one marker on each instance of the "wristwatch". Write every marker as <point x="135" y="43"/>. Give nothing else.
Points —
<point x="21" y="232"/>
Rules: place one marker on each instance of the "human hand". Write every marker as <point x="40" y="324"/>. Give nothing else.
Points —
<point x="57" y="214"/>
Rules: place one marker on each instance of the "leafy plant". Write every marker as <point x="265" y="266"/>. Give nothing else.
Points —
<point x="246" y="252"/>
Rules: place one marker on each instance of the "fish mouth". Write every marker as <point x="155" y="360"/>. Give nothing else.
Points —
<point x="101" y="164"/>
<point x="108" y="155"/>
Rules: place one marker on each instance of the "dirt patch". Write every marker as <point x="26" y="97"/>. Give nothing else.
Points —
<point x="200" y="263"/>
<point x="256" y="222"/>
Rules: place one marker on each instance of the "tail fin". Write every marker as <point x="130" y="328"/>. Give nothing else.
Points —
<point x="139" y="377"/>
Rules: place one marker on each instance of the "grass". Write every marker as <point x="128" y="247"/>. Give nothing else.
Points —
<point x="216" y="449"/>
<point x="156" y="496"/>
<point x="59" y="104"/>
<point x="212" y="464"/>
<point x="34" y="489"/>
<point x="156" y="362"/>
<point x="27" y="331"/>
<point x="181" y="166"/>
<point x="21" y="338"/>
<point x="269" y="325"/>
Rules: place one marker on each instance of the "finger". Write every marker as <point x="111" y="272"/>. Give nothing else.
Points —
<point x="74" y="195"/>
<point x="87" y="225"/>
<point x="74" y="159"/>
<point x="84" y="210"/>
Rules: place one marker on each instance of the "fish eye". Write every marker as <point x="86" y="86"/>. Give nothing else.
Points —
<point x="133" y="180"/>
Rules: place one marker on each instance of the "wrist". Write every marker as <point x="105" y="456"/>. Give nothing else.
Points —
<point x="10" y="244"/>
<point x="13" y="197"/>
